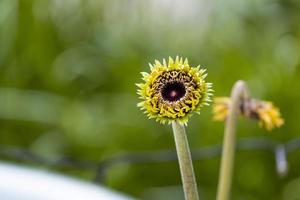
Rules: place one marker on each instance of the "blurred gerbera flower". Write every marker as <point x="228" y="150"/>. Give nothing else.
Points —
<point x="220" y="108"/>
<point x="173" y="90"/>
<point x="269" y="115"/>
<point x="265" y="112"/>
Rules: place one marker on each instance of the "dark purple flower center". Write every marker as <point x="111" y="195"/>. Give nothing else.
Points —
<point x="173" y="91"/>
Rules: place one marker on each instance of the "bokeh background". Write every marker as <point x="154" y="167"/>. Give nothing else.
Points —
<point x="68" y="99"/>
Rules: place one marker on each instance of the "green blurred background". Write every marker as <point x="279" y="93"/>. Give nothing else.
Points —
<point x="67" y="75"/>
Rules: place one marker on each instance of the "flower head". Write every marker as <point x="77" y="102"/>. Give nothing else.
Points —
<point x="265" y="112"/>
<point x="220" y="108"/>
<point x="173" y="90"/>
<point x="269" y="115"/>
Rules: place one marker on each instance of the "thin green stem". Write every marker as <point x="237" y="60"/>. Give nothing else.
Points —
<point x="238" y="94"/>
<point x="185" y="162"/>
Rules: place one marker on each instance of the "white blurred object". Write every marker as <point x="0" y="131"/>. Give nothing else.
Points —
<point x="22" y="183"/>
<point x="281" y="161"/>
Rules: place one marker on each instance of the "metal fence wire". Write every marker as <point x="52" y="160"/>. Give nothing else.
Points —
<point x="278" y="149"/>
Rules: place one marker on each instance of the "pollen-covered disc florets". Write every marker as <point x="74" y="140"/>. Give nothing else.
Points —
<point x="173" y="90"/>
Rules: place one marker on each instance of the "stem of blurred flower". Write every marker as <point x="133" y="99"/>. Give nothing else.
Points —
<point x="239" y="94"/>
<point x="185" y="162"/>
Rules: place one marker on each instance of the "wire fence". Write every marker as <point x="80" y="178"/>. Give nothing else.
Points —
<point x="279" y="149"/>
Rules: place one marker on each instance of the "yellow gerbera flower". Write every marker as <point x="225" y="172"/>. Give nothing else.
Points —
<point x="269" y="115"/>
<point x="173" y="90"/>
<point x="220" y="108"/>
<point x="265" y="112"/>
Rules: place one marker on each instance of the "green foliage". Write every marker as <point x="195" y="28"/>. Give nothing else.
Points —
<point x="68" y="68"/>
